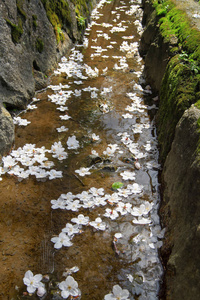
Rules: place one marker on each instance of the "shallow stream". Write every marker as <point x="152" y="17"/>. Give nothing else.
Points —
<point x="80" y="190"/>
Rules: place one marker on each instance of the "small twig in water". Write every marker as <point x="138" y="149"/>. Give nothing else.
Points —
<point x="79" y="179"/>
<point x="115" y="248"/>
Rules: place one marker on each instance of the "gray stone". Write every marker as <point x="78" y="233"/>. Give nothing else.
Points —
<point x="7" y="131"/>
<point x="28" y="57"/>
<point x="19" y="59"/>
<point x="41" y="81"/>
<point x="153" y="47"/>
<point x="93" y="159"/>
<point x="180" y="210"/>
<point x="109" y="168"/>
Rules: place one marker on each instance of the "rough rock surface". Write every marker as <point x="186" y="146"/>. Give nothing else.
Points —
<point x="180" y="178"/>
<point x="153" y="48"/>
<point x="29" y="51"/>
<point x="180" y="210"/>
<point x="6" y="130"/>
<point x="20" y="58"/>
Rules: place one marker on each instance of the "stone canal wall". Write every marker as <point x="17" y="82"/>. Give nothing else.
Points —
<point x="34" y="35"/>
<point x="170" y="46"/>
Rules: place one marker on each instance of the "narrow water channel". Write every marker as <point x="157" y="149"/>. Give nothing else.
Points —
<point x="80" y="191"/>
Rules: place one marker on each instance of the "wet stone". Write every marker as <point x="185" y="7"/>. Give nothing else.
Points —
<point x="93" y="159"/>
<point x="107" y="160"/>
<point x="109" y="168"/>
<point x="128" y="160"/>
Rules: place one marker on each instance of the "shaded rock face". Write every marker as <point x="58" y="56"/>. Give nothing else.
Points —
<point x="179" y="144"/>
<point x="23" y="52"/>
<point x="29" y="50"/>
<point x="153" y="47"/>
<point x="180" y="211"/>
<point x="6" y="130"/>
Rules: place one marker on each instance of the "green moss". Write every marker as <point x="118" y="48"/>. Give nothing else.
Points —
<point x="179" y="90"/>
<point x="59" y="34"/>
<point x="181" y="83"/>
<point x="82" y="11"/>
<point x="162" y="7"/>
<point x="198" y="123"/>
<point x="198" y="130"/>
<point x="80" y="20"/>
<point x="173" y="21"/>
<point x="20" y="8"/>
<point x="39" y="45"/>
<point x="187" y="59"/>
<point x="34" y="21"/>
<point x="16" y="30"/>
<point x="59" y="15"/>
<point x="81" y="6"/>
<point x="197" y="104"/>
<point x="174" y="50"/>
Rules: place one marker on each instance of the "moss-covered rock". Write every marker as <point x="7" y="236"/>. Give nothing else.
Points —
<point x="34" y="21"/>
<point x="179" y="91"/>
<point x="34" y="36"/>
<point x="58" y="13"/>
<point x="82" y="11"/>
<point x="16" y="30"/>
<point x="178" y="123"/>
<point x="172" y="65"/>
<point x="20" y="8"/>
<point x="39" y="44"/>
<point x="61" y="14"/>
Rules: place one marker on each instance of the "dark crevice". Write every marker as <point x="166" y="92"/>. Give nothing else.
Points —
<point x="35" y="66"/>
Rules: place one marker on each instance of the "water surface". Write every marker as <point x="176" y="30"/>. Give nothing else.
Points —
<point x="101" y="87"/>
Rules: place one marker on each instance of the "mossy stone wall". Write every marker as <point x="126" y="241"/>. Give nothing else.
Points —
<point x="179" y="90"/>
<point x="180" y="85"/>
<point x="178" y="123"/>
<point x="59" y="13"/>
<point x="34" y="35"/>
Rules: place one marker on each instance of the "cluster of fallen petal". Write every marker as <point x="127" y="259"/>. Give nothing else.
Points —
<point x="141" y="230"/>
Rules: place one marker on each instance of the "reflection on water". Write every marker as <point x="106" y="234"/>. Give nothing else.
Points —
<point x="91" y="128"/>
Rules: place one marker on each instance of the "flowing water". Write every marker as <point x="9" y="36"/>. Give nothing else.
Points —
<point x="93" y="127"/>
